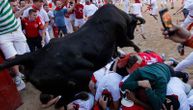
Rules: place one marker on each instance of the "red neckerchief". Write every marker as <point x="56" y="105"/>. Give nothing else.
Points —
<point x="35" y="8"/>
<point x="58" y="8"/>
<point x="88" y="3"/>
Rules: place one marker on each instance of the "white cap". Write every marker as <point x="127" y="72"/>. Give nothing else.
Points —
<point x="127" y="103"/>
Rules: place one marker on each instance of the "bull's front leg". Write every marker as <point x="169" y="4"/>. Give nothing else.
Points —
<point x="132" y="44"/>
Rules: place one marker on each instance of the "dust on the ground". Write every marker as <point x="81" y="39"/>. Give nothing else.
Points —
<point x="155" y="41"/>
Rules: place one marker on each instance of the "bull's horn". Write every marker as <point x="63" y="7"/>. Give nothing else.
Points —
<point x="18" y="60"/>
<point x="140" y="20"/>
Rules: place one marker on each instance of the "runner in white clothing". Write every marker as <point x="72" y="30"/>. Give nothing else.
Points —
<point x="89" y="9"/>
<point x="189" y="19"/>
<point x="108" y="88"/>
<point x="163" y="3"/>
<point x="136" y="9"/>
<point x="97" y="77"/>
<point x="80" y="104"/>
<point x="179" y="88"/>
<point x="37" y="5"/>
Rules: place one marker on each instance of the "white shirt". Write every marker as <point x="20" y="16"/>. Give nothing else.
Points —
<point x="187" y="3"/>
<point x="190" y="8"/>
<point x="99" y="74"/>
<point x="89" y="10"/>
<point x="136" y="9"/>
<point x="42" y="14"/>
<point x="110" y="82"/>
<point x="85" y="105"/>
<point x="177" y="87"/>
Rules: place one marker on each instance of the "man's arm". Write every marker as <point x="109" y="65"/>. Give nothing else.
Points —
<point x="157" y="96"/>
<point x="131" y="82"/>
<point x="20" y="12"/>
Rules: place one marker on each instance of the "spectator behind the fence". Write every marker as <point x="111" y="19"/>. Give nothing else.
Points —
<point x="31" y="25"/>
<point x="59" y="13"/>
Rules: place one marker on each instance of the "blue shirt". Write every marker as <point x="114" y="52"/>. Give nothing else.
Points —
<point x="59" y="17"/>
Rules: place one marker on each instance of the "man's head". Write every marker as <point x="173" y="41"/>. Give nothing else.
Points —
<point x="172" y="100"/>
<point x="38" y="3"/>
<point x="22" y="3"/>
<point x="32" y="14"/>
<point x="59" y="3"/>
<point x="46" y="7"/>
<point x="14" y="6"/>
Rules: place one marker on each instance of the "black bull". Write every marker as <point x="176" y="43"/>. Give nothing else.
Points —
<point x="65" y="65"/>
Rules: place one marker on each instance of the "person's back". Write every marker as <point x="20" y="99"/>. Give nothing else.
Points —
<point x="158" y="75"/>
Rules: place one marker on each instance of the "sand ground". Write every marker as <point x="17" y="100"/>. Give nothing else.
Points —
<point x="154" y="41"/>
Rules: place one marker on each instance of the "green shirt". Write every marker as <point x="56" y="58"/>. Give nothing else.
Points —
<point x="8" y="22"/>
<point x="159" y="75"/>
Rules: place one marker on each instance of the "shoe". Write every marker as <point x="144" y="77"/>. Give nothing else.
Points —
<point x="180" y="49"/>
<point x="175" y="62"/>
<point x="163" y="56"/>
<point x="19" y="83"/>
<point x="21" y="76"/>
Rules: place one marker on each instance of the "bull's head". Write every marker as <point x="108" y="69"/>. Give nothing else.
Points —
<point x="132" y="23"/>
<point x="128" y="24"/>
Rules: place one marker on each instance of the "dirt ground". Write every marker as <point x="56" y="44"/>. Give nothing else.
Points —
<point x="154" y="41"/>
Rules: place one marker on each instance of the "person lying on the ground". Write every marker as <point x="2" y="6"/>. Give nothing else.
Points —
<point x="177" y="88"/>
<point x="153" y="79"/>
<point x="82" y="100"/>
<point x="133" y="61"/>
<point x="108" y="88"/>
<point x="127" y="102"/>
<point x="97" y="77"/>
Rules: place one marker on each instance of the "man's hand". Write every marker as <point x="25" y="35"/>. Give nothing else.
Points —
<point x="103" y="103"/>
<point x="164" y="107"/>
<point x="130" y="95"/>
<point x="71" y="106"/>
<point x="180" y="34"/>
<point x="144" y="84"/>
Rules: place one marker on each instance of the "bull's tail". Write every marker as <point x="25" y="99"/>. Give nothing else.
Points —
<point x="18" y="60"/>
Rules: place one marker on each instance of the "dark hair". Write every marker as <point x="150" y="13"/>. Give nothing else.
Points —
<point x="31" y="11"/>
<point x="38" y="1"/>
<point x="182" y="75"/>
<point x="82" y="95"/>
<point x="21" y="1"/>
<point x="173" y="102"/>
<point x="45" y="4"/>
<point x="132" y="60"/>
<point x="45" y="98"/>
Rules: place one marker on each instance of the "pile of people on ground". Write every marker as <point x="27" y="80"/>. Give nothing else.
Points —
<point x="134" y="81"/>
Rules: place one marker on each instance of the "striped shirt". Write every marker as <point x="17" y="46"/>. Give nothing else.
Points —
<point x="8" y="22"/>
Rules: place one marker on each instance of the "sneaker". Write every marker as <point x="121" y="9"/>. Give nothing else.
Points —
<point x="175" y="62"/>
<point x="21" y="76"/>
<point x="19" y="83"/>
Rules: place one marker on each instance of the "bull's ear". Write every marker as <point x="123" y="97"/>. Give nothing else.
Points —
<point x="140" y="20"/>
